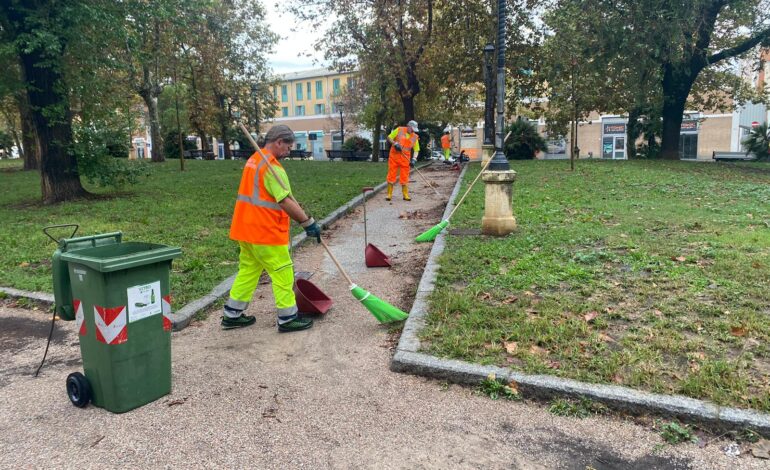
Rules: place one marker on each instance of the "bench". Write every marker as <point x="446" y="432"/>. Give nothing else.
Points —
<point x="301" y="154"/>
<point x="199" y="154"/>
<point x="732" y="156"/>
<point x="348" y="155"/>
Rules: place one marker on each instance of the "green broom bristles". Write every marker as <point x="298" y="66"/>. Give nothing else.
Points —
<point x="382" y="311"/>
<point x="431" y="234"/>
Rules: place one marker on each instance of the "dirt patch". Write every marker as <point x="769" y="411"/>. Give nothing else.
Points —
<point x="18" y="332"/>
<point x="582" y="455"/>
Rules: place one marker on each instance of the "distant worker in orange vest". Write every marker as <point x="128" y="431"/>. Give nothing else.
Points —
<point x="446" y="143"/>
<point x="261" y="227"/>
<point x="404" y="148"/>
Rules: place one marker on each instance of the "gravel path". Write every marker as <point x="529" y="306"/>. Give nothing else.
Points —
<point x="323" y="398"/>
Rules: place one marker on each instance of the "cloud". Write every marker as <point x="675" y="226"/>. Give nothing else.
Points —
<point x="294" y="50"/>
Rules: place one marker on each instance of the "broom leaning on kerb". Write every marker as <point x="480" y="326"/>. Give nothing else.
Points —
<point x="381" y="310"/>
<point x="431" y="234"/>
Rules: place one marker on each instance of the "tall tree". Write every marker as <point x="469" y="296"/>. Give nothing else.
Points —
<point x="39" y="31"/>
<point x="683" y="48"/>
<point x="394" y="31"/>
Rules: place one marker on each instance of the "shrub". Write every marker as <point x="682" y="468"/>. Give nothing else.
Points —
<point x="96" y="148"/>
<point x="758" y="142"/>
<point x="357" y="144"/>
<point x="171" y="144"/>
<point x="524" y="141"/>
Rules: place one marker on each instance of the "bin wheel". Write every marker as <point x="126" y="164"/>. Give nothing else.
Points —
<point x="78" y="389"/>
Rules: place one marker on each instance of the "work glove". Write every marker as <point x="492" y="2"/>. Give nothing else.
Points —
<point x="411" y="163"/>
<point x="398" y="146"/>
<point x="312" y="229"/>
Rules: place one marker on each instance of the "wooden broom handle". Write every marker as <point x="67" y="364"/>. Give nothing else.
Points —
<point x="339" y="266"/>
<point x="474" y="182"/>
<point x="427" y="182"/>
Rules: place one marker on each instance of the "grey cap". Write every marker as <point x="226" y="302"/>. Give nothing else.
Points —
<point x="279" y="132"/>
<point x="413" y="125"/>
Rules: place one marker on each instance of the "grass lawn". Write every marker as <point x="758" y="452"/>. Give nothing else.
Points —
<point x="190" y="209"/>
<point x="649" y="274"/>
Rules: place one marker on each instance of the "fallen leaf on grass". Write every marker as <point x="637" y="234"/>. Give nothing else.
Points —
<point x="538" y="351"/>
<point x="606" y="338"/>
<point x="590" y="316"/>
<point x="513" y="386"/>
<point x="553" y="364"/>
<point x="657" y="313"/>
<point x="24" y="265"/>
<point x="738" y="331"/>
<point x="510" y="299"/>
<point x="485" y="296"/>
<point x="681" y="259"/>
<point x="511" y="347"/>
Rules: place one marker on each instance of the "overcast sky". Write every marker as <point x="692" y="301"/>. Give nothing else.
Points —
<point x="292" y="49"/>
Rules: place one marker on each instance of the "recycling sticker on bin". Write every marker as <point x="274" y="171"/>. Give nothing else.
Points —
<point x="144" y="301"/>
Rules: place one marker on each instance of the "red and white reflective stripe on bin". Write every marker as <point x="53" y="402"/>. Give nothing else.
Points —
<point x="167" y="323"/>
<point x="111" y="325"/>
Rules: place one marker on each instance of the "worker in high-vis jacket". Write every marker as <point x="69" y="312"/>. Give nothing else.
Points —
<point x="405" y="145"/>
<point x="446" y="144"/>
<point x="261" y="227"/>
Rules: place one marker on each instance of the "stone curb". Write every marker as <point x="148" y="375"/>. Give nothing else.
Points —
<point x="42" y="297"/>
<point x="408" y="359"/>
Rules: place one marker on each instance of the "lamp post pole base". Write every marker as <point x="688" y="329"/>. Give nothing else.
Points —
<point x="498" y="217"/>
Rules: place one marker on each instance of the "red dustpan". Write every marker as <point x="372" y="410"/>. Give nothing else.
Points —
<point x="373" y="256"/>
<point x="310" y="299"/>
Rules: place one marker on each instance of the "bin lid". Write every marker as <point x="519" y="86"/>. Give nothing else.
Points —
<point x="120" y="256"/>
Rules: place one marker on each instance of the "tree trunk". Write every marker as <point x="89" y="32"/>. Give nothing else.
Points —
<point x="150" y="98"/>
<point x="376" y="137"/>
<point x="633" y="132"/>
<point x="223" y="126"/>
<point x="59" y="177"/>
<point x="29" y="138"/>
<point x="676" y="88"/>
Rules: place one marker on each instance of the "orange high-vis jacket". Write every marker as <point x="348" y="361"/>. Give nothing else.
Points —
<point x="406" y="143"/>
<point x="445" y="141"/>
<point x="258" y="218"/>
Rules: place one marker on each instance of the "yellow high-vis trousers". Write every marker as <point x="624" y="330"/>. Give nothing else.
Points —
<point x="277" y="262"/>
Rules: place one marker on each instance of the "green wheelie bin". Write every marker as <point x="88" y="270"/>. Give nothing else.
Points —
<point x="120" y="297"/>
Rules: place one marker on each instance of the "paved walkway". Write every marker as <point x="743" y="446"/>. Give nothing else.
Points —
<point x="324" y="398"/>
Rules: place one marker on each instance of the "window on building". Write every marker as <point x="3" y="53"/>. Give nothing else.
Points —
<point x="299" y="110"/>
<point x="351" y="83"/>
<point x="299" y="92"/>
<point x="284" y="93"/>
<point x="309" y="93"/>
<point x="275" y="93"/>
<point x="285" y="111"/>
<point x="336" y="86"/>
<point x="320" y="108"/>
<point x="319" y="90"/>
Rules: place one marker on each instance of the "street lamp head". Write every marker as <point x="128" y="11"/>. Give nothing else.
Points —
<point x="488" y="49"/>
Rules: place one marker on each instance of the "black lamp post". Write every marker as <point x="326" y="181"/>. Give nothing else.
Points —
<point x="342" y="125"/>
<point x="256" y="108"/>
<point x="499" y="162"/>
<point x="489" y="98"/>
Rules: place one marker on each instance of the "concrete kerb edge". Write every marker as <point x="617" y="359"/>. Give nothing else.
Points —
<point x="41" y="297"/>
<point x="409" y="359"/>
<point x="184" y="316"/>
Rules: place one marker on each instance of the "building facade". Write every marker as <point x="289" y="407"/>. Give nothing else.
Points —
<point x="309" y="102"/>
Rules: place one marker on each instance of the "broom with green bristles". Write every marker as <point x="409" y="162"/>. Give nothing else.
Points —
<point x="382" y="311"/>
<point x="432" y="233"/>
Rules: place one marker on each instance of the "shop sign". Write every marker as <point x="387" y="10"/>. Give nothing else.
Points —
<point x="618" y="128"/>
